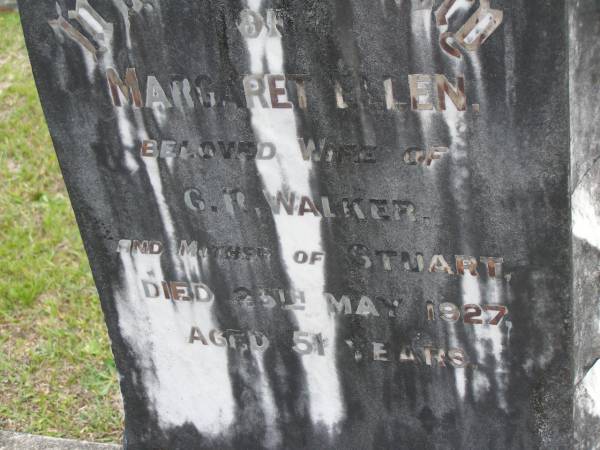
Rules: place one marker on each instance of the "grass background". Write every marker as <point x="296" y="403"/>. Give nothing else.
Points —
<point x="57" y="375"/>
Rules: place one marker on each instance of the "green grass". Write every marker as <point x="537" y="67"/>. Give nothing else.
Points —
<point x="57" y="376"/>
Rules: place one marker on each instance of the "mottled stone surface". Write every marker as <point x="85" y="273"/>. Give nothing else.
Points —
<point x="8" y="4"/>
<point x="584" y="21"/>
<point x="381" y="357"/>
<point x="20" y="441"/>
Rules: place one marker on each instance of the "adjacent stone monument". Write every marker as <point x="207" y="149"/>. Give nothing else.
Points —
<point x="337" y="223"/>
<point x="584" y="25"/>
<point x="8" y="5"/>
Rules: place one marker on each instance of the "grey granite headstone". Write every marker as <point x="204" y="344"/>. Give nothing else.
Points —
<point x="584" y="24"/>
<point x="8" y="5"/>
<point x="19" y="441"/>
<point x="337" y="223"/>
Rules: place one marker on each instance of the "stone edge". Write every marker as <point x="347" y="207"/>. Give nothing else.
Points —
<point x="20" y="441"/>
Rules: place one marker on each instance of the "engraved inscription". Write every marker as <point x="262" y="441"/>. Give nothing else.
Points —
<point x="273" y="91"/>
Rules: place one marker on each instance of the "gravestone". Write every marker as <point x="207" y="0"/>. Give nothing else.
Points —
<point x="584" y="26"/>
<point x="8" y="5"/>
<point x="338" y="223"/>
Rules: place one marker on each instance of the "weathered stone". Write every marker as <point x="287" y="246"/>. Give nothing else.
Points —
<point x="584" y="24"/>
<point x="20" y="441"/>
<point x="335" y="223"/>
<point x="8" y="5"/>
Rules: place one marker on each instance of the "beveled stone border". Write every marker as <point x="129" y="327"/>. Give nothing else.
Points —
<point x="20" y="441"/>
